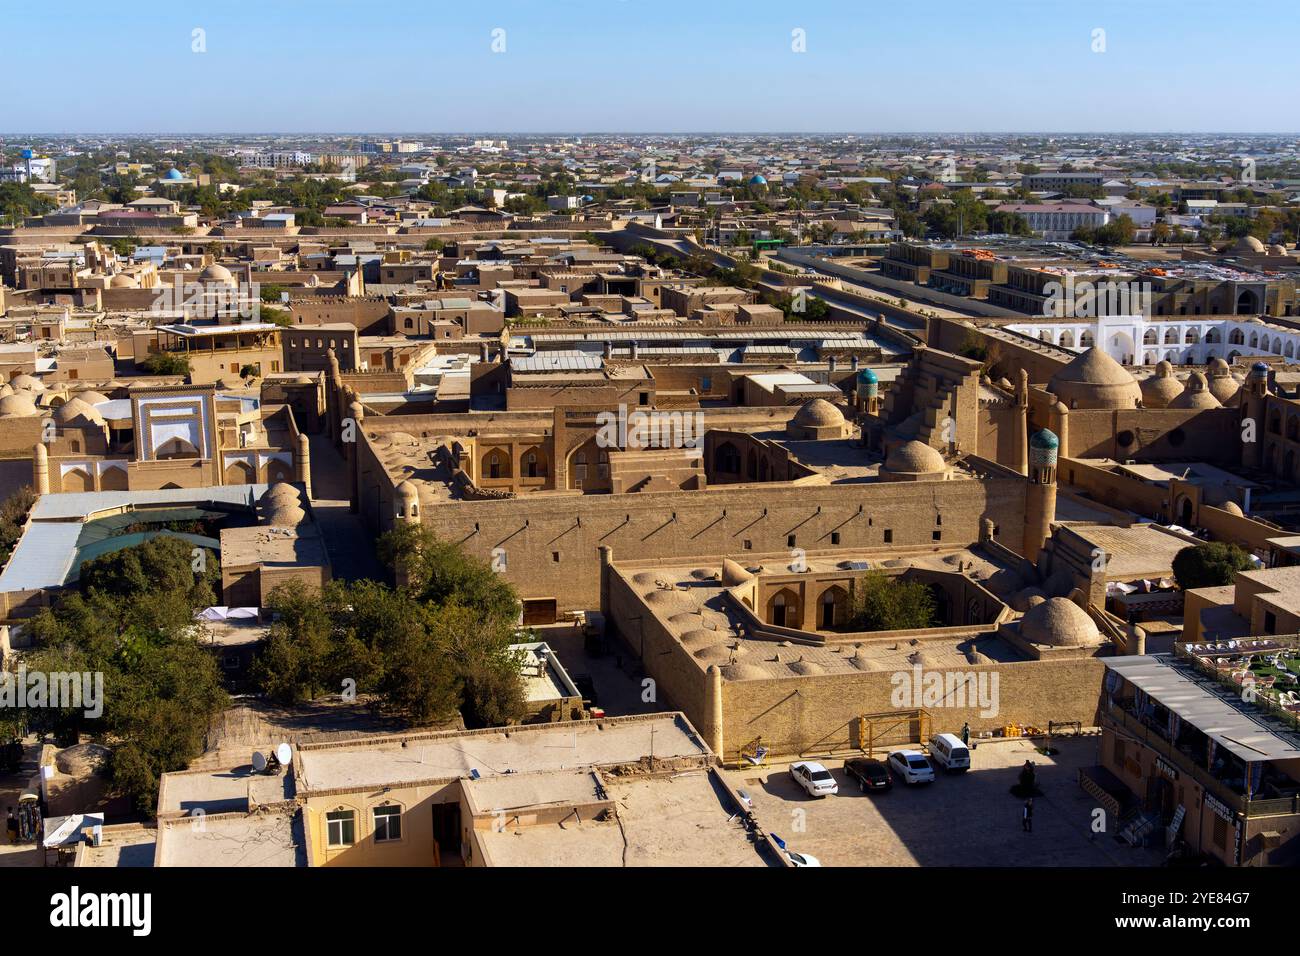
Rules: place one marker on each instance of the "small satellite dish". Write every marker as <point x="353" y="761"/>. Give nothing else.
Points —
<point x="259" y="761"/>
<point x="284" y="754"/>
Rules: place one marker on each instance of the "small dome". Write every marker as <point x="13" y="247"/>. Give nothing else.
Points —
<point x="744" y="672"/>
<point x="81" y="760"/>
<point x="1248" y="244"/>
<point x="1197" y="394"/>
<point x="124" y="281"/>
<point x="1223" y="385"/>
<point x="286" y="516"/>
<point x="915" y="458"/>
<point x="91" y="397"/>
<point x="1023" y="599"/>
<point x="1161" y="388"/>
<point x="1095" y="380"/>
<point x="217" y="273"/>
<point x="1059" y="622"/>
<point x="29" y="382"/>
<point x="1233" y="509"/>
<point x="1277" y="249"/>
<point x="819" y="413"/>
<point x="17" y="405"/>
<point x="758" y="180"/>
<point x="76" y="409"/>
<point x="173" y="174"/>
<point x="281" y="493"/>
<point x="408" y="492"/>
<point x="868" y="376"/>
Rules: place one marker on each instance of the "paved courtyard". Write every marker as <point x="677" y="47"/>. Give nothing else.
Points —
<point x="967" y="819"/>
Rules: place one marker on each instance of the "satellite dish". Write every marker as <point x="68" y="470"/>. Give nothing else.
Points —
<point x="284" y="754"/>
<point x="259" y="761"/>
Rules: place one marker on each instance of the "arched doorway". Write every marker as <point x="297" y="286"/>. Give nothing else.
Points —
<point x="783" y="608"/>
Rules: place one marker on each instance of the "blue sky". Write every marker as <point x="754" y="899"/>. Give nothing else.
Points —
<point x="652" y="65"/>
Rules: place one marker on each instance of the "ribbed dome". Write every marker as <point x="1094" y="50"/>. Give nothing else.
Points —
<point x="286" y="516"/>
<point x="1161" y="388"/>
<point x="819" y="413"/>
<point x="1059" y="622"/>
<point x="1197" y="394"/>
<point x="281" y="493"/>
<point x="17" y="405"/>
<point x="915" y="458"/>
<point x="1095" y="380"/>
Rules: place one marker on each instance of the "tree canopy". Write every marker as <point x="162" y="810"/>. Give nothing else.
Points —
<point x="886" y="602"/>
<point x="1209" y="565"/>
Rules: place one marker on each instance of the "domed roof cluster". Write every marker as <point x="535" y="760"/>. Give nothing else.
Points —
<point x="1196" y="395"/>
<point x="1095" y="380"/>
<point x="915" y="458"/>
<point x="1059" y="622"/>
<point x="281" y="505"/>
<point x="1161" y="388"/>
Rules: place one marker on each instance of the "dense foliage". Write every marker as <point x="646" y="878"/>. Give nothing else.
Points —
<point x="1210" y="565"/>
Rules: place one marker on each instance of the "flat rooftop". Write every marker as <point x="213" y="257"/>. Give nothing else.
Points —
<point x="679" y="820"/>
<point x="452" y="755"/>
<point x="1140" y="551"/>
<point x="270" y="839"/>
<point x="1210" y="707"/>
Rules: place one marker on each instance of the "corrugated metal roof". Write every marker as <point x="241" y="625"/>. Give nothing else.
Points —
<point x="557" y="362"/>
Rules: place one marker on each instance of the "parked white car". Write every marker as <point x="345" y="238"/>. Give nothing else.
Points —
<point x="802" y="859"/>
<point x="814" y="778"/>
<point x="912" y="766"/>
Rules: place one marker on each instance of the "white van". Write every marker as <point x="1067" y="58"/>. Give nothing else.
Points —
<point x="950" y="753"/>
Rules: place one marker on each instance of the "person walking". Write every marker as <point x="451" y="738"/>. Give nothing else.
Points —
<point x="1027" y="820"/>
<point x="965" y="733"/>
<point x="11" y="825"/>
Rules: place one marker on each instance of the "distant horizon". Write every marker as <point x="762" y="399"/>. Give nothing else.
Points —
<point x="677" y="66"/>
<point x="505" y="134"/>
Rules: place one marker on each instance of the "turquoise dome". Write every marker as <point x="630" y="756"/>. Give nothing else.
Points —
<point x="1044" y="439"/>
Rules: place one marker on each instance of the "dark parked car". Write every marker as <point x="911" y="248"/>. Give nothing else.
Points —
<point x="870" y="774"/>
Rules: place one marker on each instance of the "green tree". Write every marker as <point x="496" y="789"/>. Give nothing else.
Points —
<point x="1209" y="565"/>
<point x="887" y="602"/>
<point x="439" y="572"/>
<point x="166" y="363"/>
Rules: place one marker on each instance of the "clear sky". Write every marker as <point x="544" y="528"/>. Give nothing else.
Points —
<point x="428" y="66"/>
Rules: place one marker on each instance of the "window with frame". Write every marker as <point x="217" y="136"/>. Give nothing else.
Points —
<point x="388" y="824"/>
<point x="341" y="827"/>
